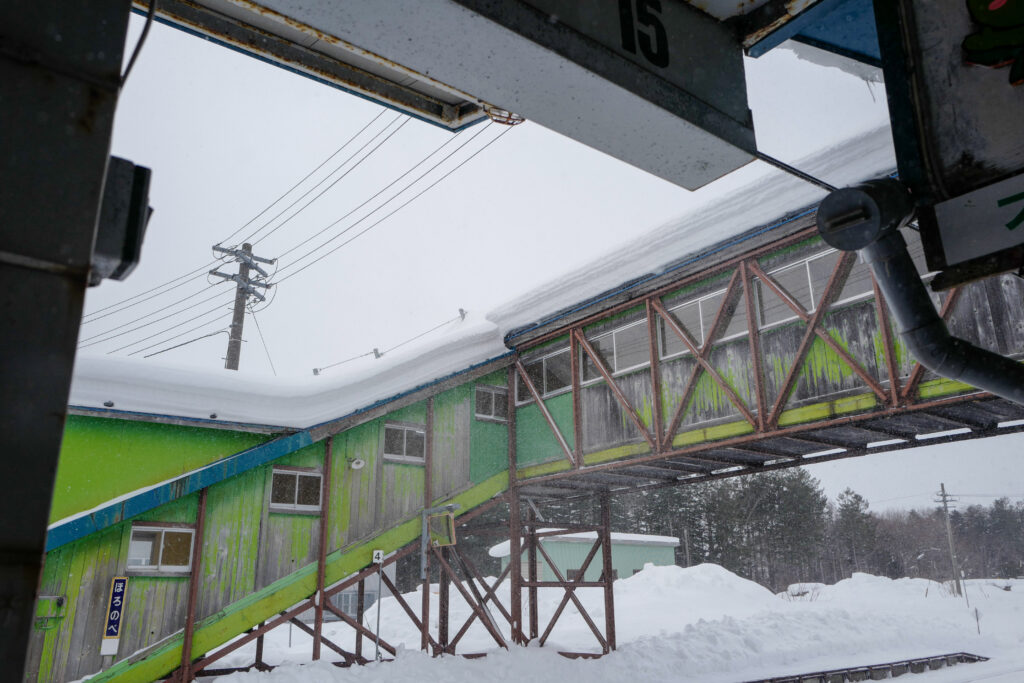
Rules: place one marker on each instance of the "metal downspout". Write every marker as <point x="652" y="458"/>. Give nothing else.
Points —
<point x="867" y="218"/>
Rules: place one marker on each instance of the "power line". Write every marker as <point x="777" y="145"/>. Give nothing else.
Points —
<point x="308" y="175"/>
<point x="380" y="192"/>
<point x="365" y="230"/>
<point x="178" y="346"/>
<point x="378" y="353"/>
<point x="89" y="342"/>
<point x="335" y="182"/>
<point x="264" y="341"/>
<point x="86" y="340"/>
<point x="217" y="309"/>
<point x="92" y="316"/>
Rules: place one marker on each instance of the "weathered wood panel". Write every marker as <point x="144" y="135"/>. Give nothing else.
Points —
<point x="452" y="415"/>
<point x="401" y="493"/>
<point x="231" y="540"/>
<point x="358" y="502"/>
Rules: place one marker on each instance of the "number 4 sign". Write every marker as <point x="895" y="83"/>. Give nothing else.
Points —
<point x="115" y="612"/>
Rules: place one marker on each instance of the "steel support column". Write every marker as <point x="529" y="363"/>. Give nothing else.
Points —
<point x="193" y="590"/>
<point x="515" y="521"/>
<point x="442" y="604"/>
<point x="325" y="513"/>
<point x="60" y="73"/>
<point x="607" y="572"/>
<point x="531" y="571"/>
<point x="428" y="487"/>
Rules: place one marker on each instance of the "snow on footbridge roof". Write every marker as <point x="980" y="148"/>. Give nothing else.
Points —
<point x="754" y="196"/>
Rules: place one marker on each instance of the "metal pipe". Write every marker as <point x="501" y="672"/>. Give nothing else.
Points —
<point x="867" y="218"/>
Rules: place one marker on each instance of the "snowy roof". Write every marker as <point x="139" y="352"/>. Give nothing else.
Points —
<point x="746" y="199"/>
<point x="505" y="547"/>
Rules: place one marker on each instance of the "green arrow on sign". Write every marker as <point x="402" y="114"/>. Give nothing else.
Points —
<point x="1013" y="199"/>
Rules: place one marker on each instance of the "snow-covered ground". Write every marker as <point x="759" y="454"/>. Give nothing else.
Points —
<point x="697" y="624"/>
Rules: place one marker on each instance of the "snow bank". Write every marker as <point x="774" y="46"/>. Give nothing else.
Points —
<point x="701" y="624"/>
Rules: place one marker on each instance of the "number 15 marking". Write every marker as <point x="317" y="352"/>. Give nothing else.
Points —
<point x="653" y="45"/>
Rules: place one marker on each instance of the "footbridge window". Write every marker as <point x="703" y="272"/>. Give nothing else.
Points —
<point x="295" y="489"/>
<point x="160" y="549"/>
<point x="492" y="404"/>
<point x="405" y="443"/>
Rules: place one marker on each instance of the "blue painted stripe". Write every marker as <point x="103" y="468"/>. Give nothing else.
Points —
<point x="145" y="501"/>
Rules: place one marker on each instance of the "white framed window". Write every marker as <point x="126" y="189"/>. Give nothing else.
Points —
<point x="697" y="318"/>
<point x="551" y="374"/>
<point x="160" y="549"/>
<point x="405" y="442"/>
<point x="623" y="349"/>
<point x="491" y="403"/>
<point x="295" y="489"/>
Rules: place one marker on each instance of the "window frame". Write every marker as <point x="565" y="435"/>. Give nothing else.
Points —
<point x="662" y="355"/>
<point x="296" y="507"/>
<point x="493" y="390"/>
<point x="159" y="569"/>
<point x="403" y="459"/>
<point x="542" y="389"/>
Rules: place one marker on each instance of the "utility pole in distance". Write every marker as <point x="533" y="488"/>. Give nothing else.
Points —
<point x="244" y="287"/>
<point x="945" y="499"/>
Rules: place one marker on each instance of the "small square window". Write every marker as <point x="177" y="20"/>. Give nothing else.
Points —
<point x="492" y="403"/>
<point x="294" y="490"/>
<point x="405" y="443"/>
<point x="557" y="373"/>
<point x="160" y="550"/>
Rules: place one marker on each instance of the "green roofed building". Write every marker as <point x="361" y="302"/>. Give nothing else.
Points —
<point x="630" y="552"/>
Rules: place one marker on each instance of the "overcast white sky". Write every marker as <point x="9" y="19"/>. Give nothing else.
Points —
<point x="226" y="134"/>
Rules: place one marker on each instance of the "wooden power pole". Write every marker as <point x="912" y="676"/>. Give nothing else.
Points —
<point x="945" y="499"/>
<point x="244" y="288"/>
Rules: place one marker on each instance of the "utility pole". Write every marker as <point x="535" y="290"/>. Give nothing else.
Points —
<point x="946" y="499"/>
<point x="244" y="288"/>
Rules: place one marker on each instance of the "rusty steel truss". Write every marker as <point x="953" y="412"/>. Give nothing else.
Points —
<point x="899" y="415"/>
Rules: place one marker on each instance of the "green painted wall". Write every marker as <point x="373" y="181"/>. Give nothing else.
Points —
<point x="488" y="440"/>
<point x="535" y="443"/>
<point x="141" y="453"/>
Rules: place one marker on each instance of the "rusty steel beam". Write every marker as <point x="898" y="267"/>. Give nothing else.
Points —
<point x="302" y="626"/>
<point x="515" y="565"/>
<point x="259" y="651"/>
<point x="888" y="346"/>
<point x="360" y="609"/>
<point x="840" y="274"/>
<point x="321" y="563"/>
<point x="700" y="355"/>
<point x="187" y="673"/>
<point x="624" y="403"/>
<point x="410" y="612"/>
<point x="652" y="349"/>
<point x="948" y="304"/>
<point x="387" y="647"/>
<point x="490" y="594"/>
<point x="793" y="432"/>
<point x="607" y="572"/>
<point x="428" y="497"/>
<point x="544" y="412"/>
<point x="531" y="571"/>
<point x="282" y="618"/>
<point x="754" y="334"/>
<point x="570" y="594"/>
<point x="442" y="605"/>
<point x="473" y="605"/>
<point x="577" y="411"/>
<point x="697" y="276"/>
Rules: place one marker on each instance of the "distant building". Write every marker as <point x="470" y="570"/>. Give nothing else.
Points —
<point x="630" y="552"/>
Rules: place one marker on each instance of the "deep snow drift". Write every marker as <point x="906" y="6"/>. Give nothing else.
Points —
<point x="698" y="624"/>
